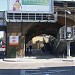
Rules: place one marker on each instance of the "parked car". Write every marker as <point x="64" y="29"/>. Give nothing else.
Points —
<point x="2" y="51"/>
<point x="3" y="46"/>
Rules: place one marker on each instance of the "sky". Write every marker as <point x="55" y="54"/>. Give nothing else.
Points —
<point x="3" y="5"/>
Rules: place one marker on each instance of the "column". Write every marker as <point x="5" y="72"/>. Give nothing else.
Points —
<point x="68" y="49"/>
<point x="14" y="29"/>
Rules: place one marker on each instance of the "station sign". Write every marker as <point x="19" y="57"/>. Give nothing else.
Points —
<point x="31" y="5"/>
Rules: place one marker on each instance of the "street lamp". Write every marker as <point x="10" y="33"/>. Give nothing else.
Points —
<point x="65" y="21"/>
<point x="68" y="42"/>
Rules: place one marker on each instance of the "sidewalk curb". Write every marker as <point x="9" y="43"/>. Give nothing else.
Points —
<point x="38" y="60"/>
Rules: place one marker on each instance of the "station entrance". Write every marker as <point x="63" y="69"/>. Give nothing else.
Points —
<point x="26" y="31"/>
<point x="47" y="39"/>
<point x="41" y="36"/>
<point x="23" y="26"/>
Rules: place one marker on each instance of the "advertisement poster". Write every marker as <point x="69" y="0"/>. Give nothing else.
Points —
<point x="13" y="40"/>
<point x="31" y="5"/>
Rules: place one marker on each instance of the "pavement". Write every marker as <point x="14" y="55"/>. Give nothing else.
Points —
<point x="34" y="63"/>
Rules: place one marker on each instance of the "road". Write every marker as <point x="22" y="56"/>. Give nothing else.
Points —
<point x="27" y="66"/>
<point x="69" y="70"/>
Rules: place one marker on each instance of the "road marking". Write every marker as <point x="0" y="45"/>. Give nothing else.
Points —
<point x="33" y="70"/>
<point x="37" y="72"/>
<point x="60" y="70"/>
<point x="22" y="72"/>
<point x="41" y="73"/>
<point x="47" y="74"/>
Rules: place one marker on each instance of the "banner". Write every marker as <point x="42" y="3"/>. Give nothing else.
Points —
<point x="35" y="2"/>
<point x="32" y="5"/>
<point x="13" y="40"/>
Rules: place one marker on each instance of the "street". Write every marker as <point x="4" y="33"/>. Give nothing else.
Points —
<point x="34" y="66"/>
<point x="70" y="70"/>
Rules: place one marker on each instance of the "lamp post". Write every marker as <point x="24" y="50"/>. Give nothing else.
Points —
<point x="68" y="42"/>
<point x="65" y="22"/>
<point x="65" y="25"/>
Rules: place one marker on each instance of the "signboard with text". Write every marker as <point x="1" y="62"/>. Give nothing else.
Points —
<point x="32" y="5"/>
<point x="13" y="40"/>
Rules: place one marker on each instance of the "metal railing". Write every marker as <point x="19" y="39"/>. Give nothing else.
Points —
<point x="67" y="33"/>
<point x="30" y="16"/>
<point x="57" y="40"/>
<point x="70" y="35"/>
<point x="73" y="27"/>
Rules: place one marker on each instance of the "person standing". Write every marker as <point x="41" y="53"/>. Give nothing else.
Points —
<point x="30" y="47"/>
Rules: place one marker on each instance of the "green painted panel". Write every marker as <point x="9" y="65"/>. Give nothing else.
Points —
<point x="35" y="2"/>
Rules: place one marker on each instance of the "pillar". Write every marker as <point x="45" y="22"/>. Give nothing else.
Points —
<point x="15" y="29"/>
<point x="68" y="49"/>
